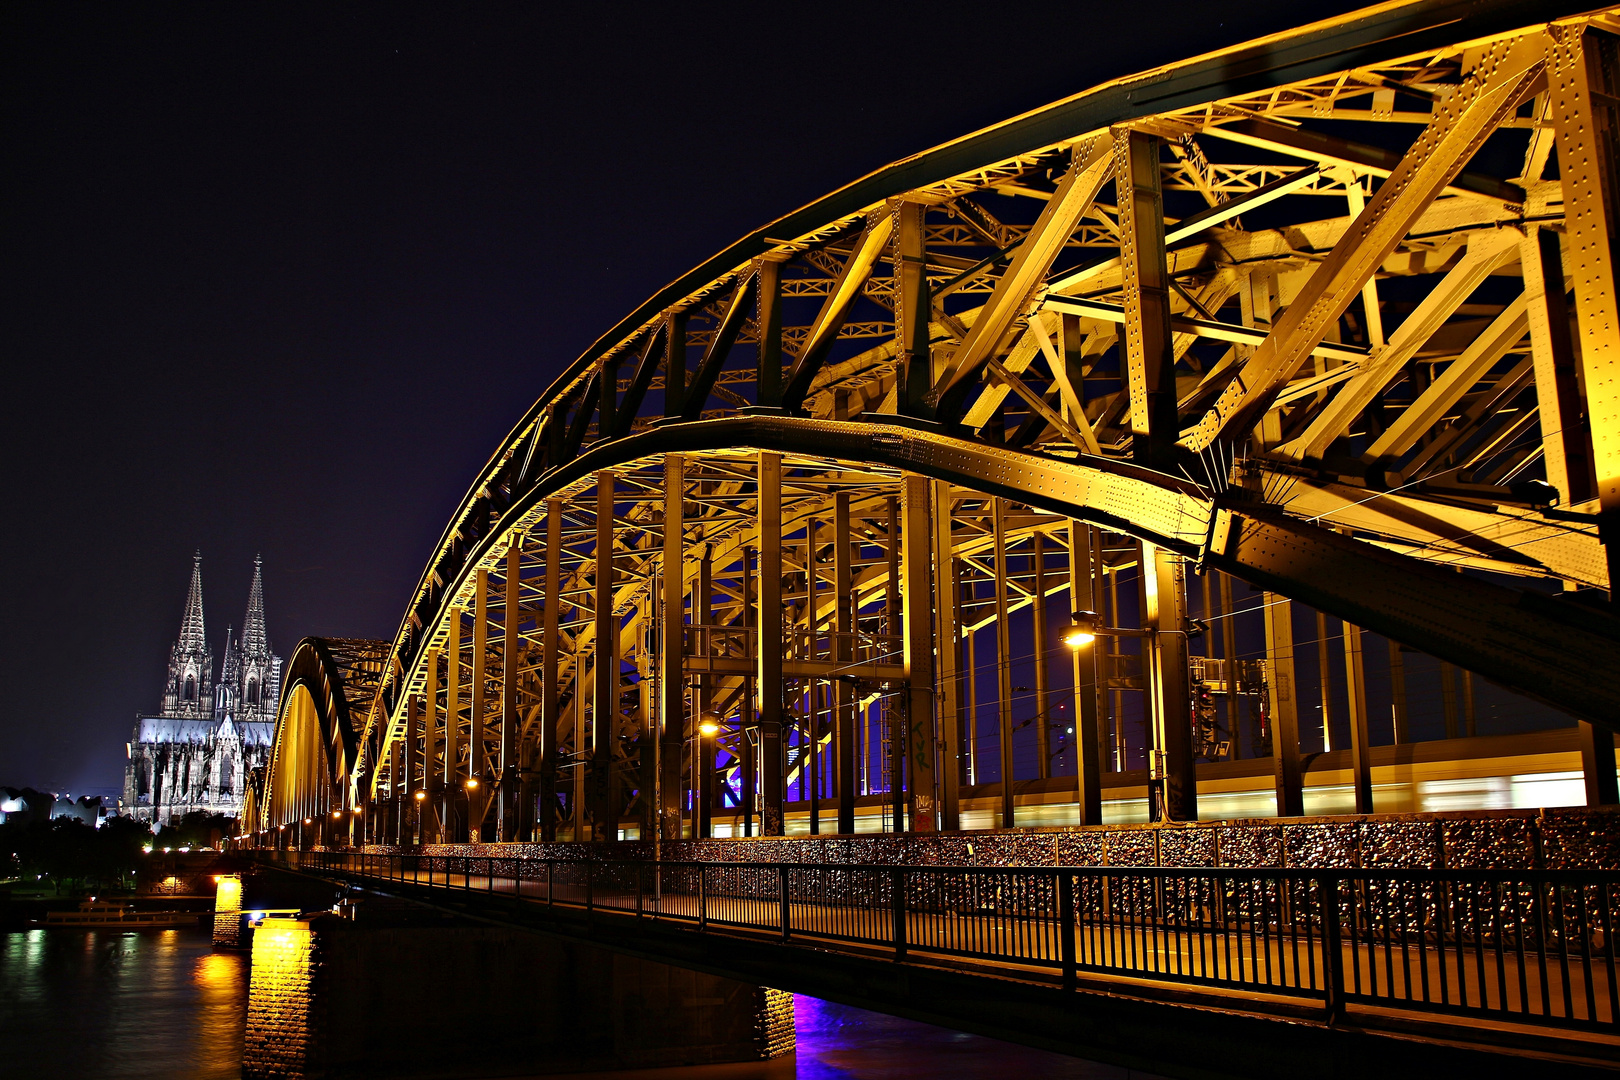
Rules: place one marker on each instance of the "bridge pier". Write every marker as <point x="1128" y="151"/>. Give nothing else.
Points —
<point x="325" y="992"/>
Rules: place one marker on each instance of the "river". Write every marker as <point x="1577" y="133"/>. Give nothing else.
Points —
<point x="164" y="1005"/>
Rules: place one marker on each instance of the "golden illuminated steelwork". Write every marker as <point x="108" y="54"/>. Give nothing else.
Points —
<point x="780" y="492"/>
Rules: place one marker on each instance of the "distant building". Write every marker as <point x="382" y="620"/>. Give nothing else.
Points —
<point x="196" y="753"/>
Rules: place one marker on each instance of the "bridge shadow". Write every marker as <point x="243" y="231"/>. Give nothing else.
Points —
<point x="841" y="1042"/>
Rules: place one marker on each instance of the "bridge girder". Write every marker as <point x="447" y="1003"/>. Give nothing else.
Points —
<point x="1041" y="329"/>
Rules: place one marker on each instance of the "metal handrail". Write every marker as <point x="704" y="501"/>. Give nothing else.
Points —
<point x="1525" y="946"/>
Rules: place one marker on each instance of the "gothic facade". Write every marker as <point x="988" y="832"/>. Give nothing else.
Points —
<point x="197" y="751"/>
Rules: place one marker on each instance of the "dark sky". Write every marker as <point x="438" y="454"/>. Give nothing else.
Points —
<point x="278" y="277"/>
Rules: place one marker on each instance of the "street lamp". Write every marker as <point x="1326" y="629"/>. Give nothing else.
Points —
<point x="1086" y="627"/>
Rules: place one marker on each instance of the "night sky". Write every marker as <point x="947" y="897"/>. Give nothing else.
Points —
<point x="278" y="277"/>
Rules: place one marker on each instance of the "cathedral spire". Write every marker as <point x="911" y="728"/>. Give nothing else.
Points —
<point x="189" y="692"/>
<point x="193" y="635"/>
<point x="255" y="642"/>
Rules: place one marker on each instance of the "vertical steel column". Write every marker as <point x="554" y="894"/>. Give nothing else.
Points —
<point x="844" y="653"/>
<point x="768" y="316"/>
<point x="1583" y="83"/>
<point x="675" y="365"/>
<point x="477" y="728"/>
<point x="770" y="642"/>
<point x="948" y="643"/>
<point x="647" y="722"/>
<point x="432" y="782"/>
<point x="810" y="747"/>
<point x="607" y="398"/>
<point x="1597" y="764"/>
<point x="1149" y="353"/>
<point x="748" y="732"/>
<point x="998" y="516"/>
<point x="509" y="815"/>
<point x="1355" y="681"/>
<point x="1108" y="662"/>
<point x="1087" y="741"/>
<point x="895" y="628"/>
<point x="1448" y="697"/>
<point x="550" y="672"/>
<point x="453" y="831"/>
<point x="405" y="793"/>
<point x="1565" y="449"/>
<point x="388" y="827"/>
<point x="703" y="782"/>
<point x="1325" y="680"/>
<point x="1043" y="711"/>
<point x="1175" y="793"/>
<point x="605" y="714"/>
<point x="1467" y="701"/>
<point x="913" y="369"/>
<point x="1229" y="654"/>
<point x="672" y="640"/>
<point x="1279" y="619"/>
<point x="970" y="732"/>
<point x="1397" y="687"/>
<point x="916" y="595"/>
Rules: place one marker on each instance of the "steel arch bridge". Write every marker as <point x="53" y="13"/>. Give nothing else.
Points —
<point x="1333" y="312"/>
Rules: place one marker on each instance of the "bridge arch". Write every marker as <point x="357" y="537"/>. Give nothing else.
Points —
<point x="311" y="772"/>
<point x="1106" y="315"/>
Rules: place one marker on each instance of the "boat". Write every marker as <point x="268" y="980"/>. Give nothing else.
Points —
<point x="93" y="915"/>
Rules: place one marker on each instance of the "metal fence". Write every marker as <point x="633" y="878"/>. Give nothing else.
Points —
<point x="1528" y="947"/>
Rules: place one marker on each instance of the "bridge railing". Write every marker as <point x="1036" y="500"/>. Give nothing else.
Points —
<point x="1518" y="946"/>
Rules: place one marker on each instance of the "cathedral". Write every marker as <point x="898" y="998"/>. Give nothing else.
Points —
<point x="197" y="751"/>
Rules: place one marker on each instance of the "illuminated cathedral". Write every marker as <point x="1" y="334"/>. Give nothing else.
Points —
<point x="196" y="752"/>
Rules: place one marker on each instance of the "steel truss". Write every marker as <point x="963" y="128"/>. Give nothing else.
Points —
<point x="1199" y="307"/>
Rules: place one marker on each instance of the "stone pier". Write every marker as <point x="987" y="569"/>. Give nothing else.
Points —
<point x="228" y="911"/>
<point x="409" y="993"/>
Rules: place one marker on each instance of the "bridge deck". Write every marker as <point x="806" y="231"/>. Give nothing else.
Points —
<point x="1523" y="956"/>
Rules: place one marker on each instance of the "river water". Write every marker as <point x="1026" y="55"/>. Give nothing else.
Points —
<point x="113" y="1005"/>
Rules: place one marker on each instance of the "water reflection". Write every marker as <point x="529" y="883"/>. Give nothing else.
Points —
<point x="837" y="1042"/>
<point x="121" y="1004"/>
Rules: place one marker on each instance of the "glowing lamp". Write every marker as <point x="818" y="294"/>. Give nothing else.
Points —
<point x="1076" y="637"/>
<point x="336" y="814"/>
<point x="420" y="795"/>
<point x="472" y="782"/>
<point x="708" y="729"/>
